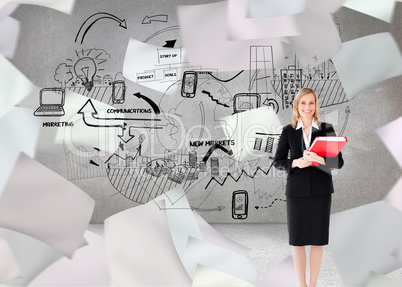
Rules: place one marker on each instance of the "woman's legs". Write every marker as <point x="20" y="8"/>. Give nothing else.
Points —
<point x="316" y="253"/>
<point x="299" y="259"/>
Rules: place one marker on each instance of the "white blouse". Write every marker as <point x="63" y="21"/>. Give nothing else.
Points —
<point x="307" y="142"/>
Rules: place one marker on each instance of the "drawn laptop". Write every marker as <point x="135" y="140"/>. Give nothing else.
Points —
<point x="51" y="102"/>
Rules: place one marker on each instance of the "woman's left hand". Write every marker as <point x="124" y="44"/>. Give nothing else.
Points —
<point x="312" y="156"/>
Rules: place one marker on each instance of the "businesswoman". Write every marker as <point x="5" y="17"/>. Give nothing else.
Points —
<point x="308" y="188"/>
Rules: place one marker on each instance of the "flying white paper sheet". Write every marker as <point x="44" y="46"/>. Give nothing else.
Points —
<point x="140" y="249"/>
<point x="363" y="239"/>
<point x="205" y="39"/>
<point x="398" y="252"/>
<point x="6" y="9"/>
<point x="319" y="38"/>
<point x="243" y="128"/>
<point x="16" y="127"/>
<point x="200" y="252"/>
<point x="31" y="254"/>
<point x="379" y="9"/>
<point x="283" y="275"/>
<point x="14" y="86"/>
<point x="152" y="66"/>
<point x="38" y="202"/>
<point x="366" y="61"/>
<point x="331" y="6"/>
<point x="394" y="197"/>
<point x="273" y="8"/>
<point x="242" y="28"/>
<point x="391" y="139"/>
<point x="9" y="269"/>
<point x="378" y="280"/>
<point x="212" y="236"/>
<point x="65" y="6"/>
<point x="182" y="223"/>
<point x="88" y="267"/>
<point x="9" y="31"/>
<point x="205" y="276"/>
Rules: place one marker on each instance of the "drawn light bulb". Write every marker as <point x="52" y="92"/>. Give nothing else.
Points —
<point x="85" y="69"/>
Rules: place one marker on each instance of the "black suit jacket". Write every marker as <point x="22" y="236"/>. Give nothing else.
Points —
<point x="308" y="181"/>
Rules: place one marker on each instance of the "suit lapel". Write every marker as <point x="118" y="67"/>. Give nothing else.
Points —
<point x="298" y="139"/>
<point x="316" y="132"/>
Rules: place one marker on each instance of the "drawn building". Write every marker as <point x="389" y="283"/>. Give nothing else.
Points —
<point x="107" y="80"/>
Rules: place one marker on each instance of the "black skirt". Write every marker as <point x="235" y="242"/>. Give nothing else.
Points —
<point x="308" y="220"/>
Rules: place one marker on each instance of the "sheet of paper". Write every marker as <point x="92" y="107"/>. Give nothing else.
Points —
<point x="212" y="236"/>
<point x="40" y="203"/>
<point x="394" y="197"/>
<point x="31" y="254"/>
<point x="154" y="67"/>
<point x="243" y="128"/>
<point x="397" y="253"/>
<point x="283" y="275"/>
<point x="6" y="9"/>
<point x="88" y="267"/>
<point x="65" y="6"/>
<point x="205" y="39"/>
<point x="377" y="280"/>
<point x="273" y="8"/>
<point x="212" y="256"/>
<point x="241" y="28"/>
<point x="16" y="127"/>
<point x="331" y="6"/>
<point x="205" y="276"/>
<point x="181" y="220"/>
<point x="383" y="9"/>
<point x="9" y="31"/>
<point x="140" y="249"/>
<point x="319" y="37"/>
<point x="363" y="239"/>
<point x="14" y="86"/>
<point x="391" y="139"/>
<point x="9" y="269"/>
<point x="366" y="61"/>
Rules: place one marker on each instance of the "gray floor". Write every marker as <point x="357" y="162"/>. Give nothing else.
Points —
<point x="269" y="247"/>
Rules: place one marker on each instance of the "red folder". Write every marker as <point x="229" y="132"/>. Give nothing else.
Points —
<point x="327" y="146"/>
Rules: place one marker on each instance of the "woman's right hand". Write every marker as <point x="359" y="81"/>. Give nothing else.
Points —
<point x="301" y="163"/>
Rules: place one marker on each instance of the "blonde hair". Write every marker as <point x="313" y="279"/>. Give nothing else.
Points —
<point x="296" y="115"/>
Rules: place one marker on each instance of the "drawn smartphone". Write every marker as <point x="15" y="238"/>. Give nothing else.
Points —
<point x="239" y="204"/>
<point x="118" y="92"/>
<point x="189" y="84"/>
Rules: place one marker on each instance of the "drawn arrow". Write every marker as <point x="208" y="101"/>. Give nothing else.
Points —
<point x="94" y="163"/>
<point x="88" y="23"/>
<point x="155" y="18"/>
<point x="240" y="175"/>
<point x="88" y="111"/>
<point x="89" y="108"/>
<point x="170" y="44"/>
<point x="347" y="111"/>
<point x="130" y="136"/>
<point x="214" y="147"/>
<point x="209" y="95"/>
<point x="150" y="102"/>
